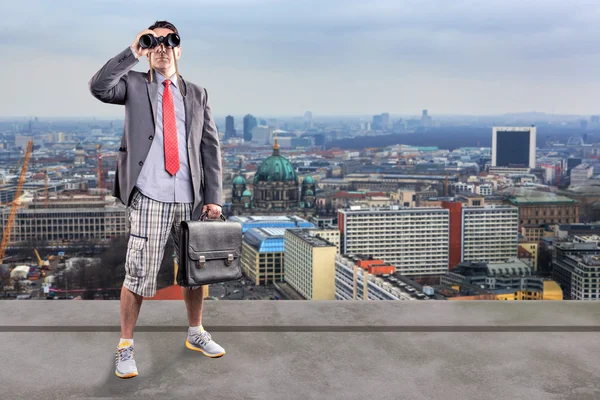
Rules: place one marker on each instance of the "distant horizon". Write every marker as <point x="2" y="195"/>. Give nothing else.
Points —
<point x="316" y="115"/>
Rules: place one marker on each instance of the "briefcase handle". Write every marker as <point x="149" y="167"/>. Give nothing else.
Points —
<point x="205" y="216"/>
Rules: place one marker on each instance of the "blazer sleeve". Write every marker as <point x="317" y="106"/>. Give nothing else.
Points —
<point x="210" y="149"/>
<point x="109" y="84"/>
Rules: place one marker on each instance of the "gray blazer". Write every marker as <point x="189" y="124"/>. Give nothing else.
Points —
<point x="115" y="83"/>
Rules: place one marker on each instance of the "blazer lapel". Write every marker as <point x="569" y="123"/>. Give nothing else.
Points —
<point x="188" y="102"/>
<point x="153" y="96"/>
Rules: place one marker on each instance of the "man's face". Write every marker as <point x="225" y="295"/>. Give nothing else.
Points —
<point x="162" y="57"/>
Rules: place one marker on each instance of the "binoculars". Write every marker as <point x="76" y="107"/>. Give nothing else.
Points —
<point x="149" y="41"/>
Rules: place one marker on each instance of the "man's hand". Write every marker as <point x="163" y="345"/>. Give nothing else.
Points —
<point x="214" y="210"/>
<point x="136" y="43"/>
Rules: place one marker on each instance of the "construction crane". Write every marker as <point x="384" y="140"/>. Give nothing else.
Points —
<point x="13" y="208"/>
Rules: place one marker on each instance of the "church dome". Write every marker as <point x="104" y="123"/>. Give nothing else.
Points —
<point x="309" y="193"/>
<point x="239" y="180"/>
<point x="246" y="193"/>
<point x="308" y="180"/>
<point x="275" y="169"/>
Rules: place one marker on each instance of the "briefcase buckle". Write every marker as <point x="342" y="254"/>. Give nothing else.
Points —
<point x="229" y="259"/>
<point x="202" y="261"/>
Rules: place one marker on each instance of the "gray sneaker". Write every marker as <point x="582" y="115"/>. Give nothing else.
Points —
<point x="125" y="362"/>
<point x="203" y="343"/>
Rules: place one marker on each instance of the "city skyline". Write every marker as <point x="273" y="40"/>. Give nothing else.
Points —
<point x="332" y="60"/>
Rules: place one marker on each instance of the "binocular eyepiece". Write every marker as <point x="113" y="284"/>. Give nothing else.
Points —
<point x="149" y="41"/>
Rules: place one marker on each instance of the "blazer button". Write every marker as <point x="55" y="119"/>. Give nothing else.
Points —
<point x="141" y="163"/>
<point x="150" y="137"/>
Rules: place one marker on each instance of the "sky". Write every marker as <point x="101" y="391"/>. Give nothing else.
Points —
<point x="332" y="57"/>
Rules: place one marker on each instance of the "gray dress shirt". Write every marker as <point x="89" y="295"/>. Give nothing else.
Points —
<point x="154" y="181"/>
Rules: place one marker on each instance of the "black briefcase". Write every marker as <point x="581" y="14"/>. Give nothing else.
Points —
<point x="209" y="252"/>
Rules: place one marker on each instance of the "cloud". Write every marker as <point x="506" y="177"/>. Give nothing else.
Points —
<point x="388" y="49"/>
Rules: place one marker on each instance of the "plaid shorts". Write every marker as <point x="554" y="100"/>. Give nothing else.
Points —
<point x="151" y="223"/>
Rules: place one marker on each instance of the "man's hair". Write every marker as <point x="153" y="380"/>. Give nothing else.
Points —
<point x="164" y="24"/>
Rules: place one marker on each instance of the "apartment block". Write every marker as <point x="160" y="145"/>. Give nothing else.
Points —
<point x="490" y="233"/>
<point x="309" y="264"/>
<point x="353" y="282"/>
<point x="415" y="240"/>
<point x="479" y="232"/>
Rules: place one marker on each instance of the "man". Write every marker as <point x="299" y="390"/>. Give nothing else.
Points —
<point x="168" y="170"/>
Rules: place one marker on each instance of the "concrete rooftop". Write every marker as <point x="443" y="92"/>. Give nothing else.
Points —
<point x="307" y="350"/>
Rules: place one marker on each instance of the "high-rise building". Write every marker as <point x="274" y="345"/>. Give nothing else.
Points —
<point x="513" y="146"/>
<point x="309" y="264"/>
<point x="425" y="119"/>
<point x="377" y="123"/>
<point x="249" y="124"/>
<point x="415" y="240"/>
<point x="308" y="123"/>
<point x="229" y="127"/>
<point x="385" y="121"/>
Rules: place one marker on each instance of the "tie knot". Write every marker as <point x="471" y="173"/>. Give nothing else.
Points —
<point x="166" y="82"/>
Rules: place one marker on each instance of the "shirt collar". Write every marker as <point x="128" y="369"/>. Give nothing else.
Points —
<point x="160" y="78"/>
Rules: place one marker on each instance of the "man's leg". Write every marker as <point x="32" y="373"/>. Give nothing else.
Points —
<point x="130" y="310"/>
<point x="193" y="303"/>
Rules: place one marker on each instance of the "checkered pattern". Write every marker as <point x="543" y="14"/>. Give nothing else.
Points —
<point x="170" y="130"/>
<point x="151" y="224"/>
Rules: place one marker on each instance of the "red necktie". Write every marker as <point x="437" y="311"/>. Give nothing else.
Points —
<point x="170" y="131"/>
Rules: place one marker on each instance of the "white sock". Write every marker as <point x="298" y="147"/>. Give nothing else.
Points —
<point x="126" y="342"/>
<point x="196" y="329"/>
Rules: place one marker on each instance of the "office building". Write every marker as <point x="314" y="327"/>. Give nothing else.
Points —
<point x="415" y="240"/>
<point x="581" y="174"/>
<point x="513" y="146"/>
<point x="309" y="264"/>
<point x="229" y="127"/>
<point x="512" y="280"/>
<point x="67" y="218"/>
<point x="576" y="268"/>
<point x="308" y="120"/>
<point x="262" y="255"/>
<point x="262" y="135"/>
<point x="249" y="124"/>
<point x="538" y="211"/>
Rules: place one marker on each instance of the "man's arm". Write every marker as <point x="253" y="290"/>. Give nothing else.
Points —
<point x="211" y="158"/>
<point x="109" y="85"/>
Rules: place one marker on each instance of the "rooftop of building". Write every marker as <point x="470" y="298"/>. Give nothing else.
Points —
<point x="529" y="338"/>
<point x="266" y="240"/>
<point x="391" y="209"/>
<point x="541" y="198"/>
<point x="308" y="235"/>
<point x="577" y="246"/>
<point x="266" y="218"/>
